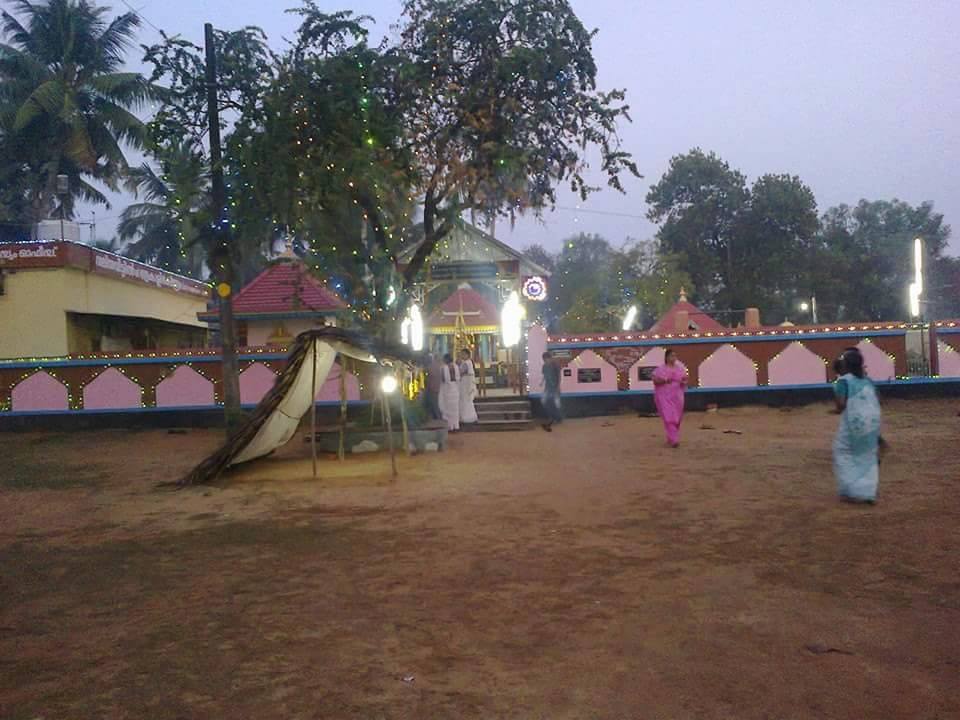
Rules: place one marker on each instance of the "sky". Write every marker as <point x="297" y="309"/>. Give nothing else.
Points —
<point x="860" y="98"/>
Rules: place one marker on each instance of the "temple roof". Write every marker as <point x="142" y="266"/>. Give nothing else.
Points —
<point x="477" y="311"/>
<point x="285" y="288"/>
<point x="699" y="320"/>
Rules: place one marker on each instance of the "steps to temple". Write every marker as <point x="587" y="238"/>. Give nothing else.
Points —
<point x="501" y="414"/>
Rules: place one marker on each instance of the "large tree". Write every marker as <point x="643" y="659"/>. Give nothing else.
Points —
<point x="66" y="105"/>
<point x="866" y="258"/>
<point x="500" y="105"/>
<point x="698" y="202"/>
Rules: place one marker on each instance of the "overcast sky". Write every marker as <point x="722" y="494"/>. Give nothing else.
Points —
<point x="860" y="98"/>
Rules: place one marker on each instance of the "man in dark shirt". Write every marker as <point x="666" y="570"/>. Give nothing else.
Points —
<point x="434" y="378"/>
<point x="551" y="391"/>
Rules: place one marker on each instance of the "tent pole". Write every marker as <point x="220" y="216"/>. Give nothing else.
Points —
<point x="386" y="414"/>
<point x="313" y="412"/>
<point x="403" y="421"/>
<point x="341" y="453"/>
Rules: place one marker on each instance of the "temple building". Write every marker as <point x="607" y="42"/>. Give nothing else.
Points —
<point x="463" y="287"/>
<point x="281" y="302"/>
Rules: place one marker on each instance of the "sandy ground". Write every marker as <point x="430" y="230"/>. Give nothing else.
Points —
<point x="587" y="573"/>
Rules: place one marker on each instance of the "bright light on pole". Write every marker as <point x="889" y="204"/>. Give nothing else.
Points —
<point x="804" y="306"/>
<point x="916" y="287"/>
<point x="630" y="318"/>
<point x="388" y="384"/>
<point x="416" y="328"/>
<point x="511" y="318"/>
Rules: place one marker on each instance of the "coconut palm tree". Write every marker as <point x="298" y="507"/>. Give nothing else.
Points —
<point x="164" y="229"/>
<point x="65" y="103"/>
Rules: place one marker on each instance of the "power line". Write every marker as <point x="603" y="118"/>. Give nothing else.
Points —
<point x="140" y="15"/>
<point x="602" y="212"/>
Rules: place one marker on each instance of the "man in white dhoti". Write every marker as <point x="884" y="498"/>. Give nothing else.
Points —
<point x="450" y="393"/>
<point x="468" y="388"/>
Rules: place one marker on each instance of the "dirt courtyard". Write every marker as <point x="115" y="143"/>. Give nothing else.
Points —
<point x="588" y="573"/>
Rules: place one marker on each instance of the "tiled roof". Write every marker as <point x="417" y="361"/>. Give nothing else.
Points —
<point x="704" y="323"/>
<point x="285" y="287"/>
<point x="477" y="310"/>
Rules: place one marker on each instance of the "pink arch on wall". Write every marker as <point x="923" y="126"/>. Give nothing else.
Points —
<point x="330" y="390"/>
<point x="185" y="388"/>
<point x="112" y="390"/>
<point x="949" y="360"/>
<point x="653" y="357"/>
<point x="797" y="365"/>
<point x="588" y="359"/>
<point x="879" y="365"/>
<point x="255" y="381"/>
<point x="40" y="391"/>
<point x="728" y="367"/>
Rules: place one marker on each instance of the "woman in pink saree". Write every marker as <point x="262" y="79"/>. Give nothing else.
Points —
<point x="669" y="385"/>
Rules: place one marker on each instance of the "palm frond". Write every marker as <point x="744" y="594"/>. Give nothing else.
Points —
<point x="48" y="98"/>
<point x="118" y="37"/>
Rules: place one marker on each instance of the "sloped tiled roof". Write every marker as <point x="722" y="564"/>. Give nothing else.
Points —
<point x="702" y="322"/>
<point x="477" y="310"/>
<point x="285" y="287"/>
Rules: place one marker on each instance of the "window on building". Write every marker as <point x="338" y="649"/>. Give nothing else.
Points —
<point x="588" y="375"/>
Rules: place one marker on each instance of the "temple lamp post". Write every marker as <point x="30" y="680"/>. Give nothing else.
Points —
<point x="810" y="307"/>
<point x="63" y="189"/>
<point x="914" y="292"/>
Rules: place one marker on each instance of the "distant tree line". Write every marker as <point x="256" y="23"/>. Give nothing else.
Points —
<point x="732" y="246"/>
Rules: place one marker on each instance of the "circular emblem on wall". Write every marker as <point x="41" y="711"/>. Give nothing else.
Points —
<point x="535" y="288"/>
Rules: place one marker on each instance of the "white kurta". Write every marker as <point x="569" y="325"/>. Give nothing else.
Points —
<point x="468" y="391"/>
<point x="450" y="396"/>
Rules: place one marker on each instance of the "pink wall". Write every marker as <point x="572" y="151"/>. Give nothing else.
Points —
<point x="112" y="390"/>
<point x="653" y="357"/>
<point x="330" y="390"/>
<point x="40" y="391"/>
<point x="797" y="365"/>
<point x="255" y="381"/>
<point x="588" y="359"/>
<point x="185" y="388"/>
<point x="949" y="360"/>
<point x="879" y="365"/>
<point x="728" y="367"/>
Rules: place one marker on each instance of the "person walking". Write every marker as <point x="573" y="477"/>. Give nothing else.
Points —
<point x="551" y="392"/>
<point x="468" y="388"/>
<point x="857" y="444"/>
<point x="450" y="393"/>
<point x="669" y="387"/>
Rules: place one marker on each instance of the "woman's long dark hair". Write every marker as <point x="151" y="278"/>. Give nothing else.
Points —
<point x="853" y="362"/>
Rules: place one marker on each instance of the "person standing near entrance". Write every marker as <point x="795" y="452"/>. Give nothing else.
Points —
<point x="450" y="393"/>
<point x="669" y="386"/>
<point x="468" y="388"/>
<point x="434" y="383"/>
<point x="551" y="392"/>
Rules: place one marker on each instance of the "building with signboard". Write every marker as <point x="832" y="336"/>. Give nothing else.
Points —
<point x="64" y="298"/>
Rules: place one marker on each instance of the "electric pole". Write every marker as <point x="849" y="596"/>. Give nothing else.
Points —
<point x="219" y="254"/>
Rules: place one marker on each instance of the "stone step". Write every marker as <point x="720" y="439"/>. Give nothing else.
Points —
<point x="497" y="425"/>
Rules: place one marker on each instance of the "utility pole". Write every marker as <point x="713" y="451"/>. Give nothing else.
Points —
<point x="219" y="253"/>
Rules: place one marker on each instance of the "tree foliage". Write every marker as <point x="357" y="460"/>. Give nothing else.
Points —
<point x="66" y="104"/>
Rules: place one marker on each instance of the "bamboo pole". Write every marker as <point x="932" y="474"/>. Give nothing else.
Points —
<point x="341" y="451"/>
<point x="403" y="421"/>
<point x="313" y="412"/>
<point x="386" y="414"/>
